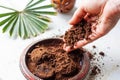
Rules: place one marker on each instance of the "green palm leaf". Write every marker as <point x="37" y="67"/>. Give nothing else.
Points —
<point x="44" y="18"/>
<point x="20" y="26"/>
<point x="39" y="25"/>
<point x="27" y="23"/>
<point x="42" y="7"/>
<point x="38" y="20"/>
<point x="31" y="27"/>
<point x="6" y="14"/>
<point x="31" y="5"/>
<point x="43" y="12"/>
<point x="26" y="35"/>
<point x="6" y="20"/>
<point x="13" y="26"/>
<point x="9" y="23"/>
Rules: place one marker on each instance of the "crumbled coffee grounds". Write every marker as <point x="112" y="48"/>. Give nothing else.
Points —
<point x="102" y="53"/>
<point x="97" y="64"/>
<point x="53" y="63"/>
<point x="61" y="36"/>
<point x="95" y="70"/>
<point x="91" y="56"/>
<point x="118" y="65"/>
<point x="103" y="64"/>
<point x="77" y="32"/>
<point x="94" y="46"/>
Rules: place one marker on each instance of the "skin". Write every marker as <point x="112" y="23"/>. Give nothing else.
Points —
<point x="103" y="14"/>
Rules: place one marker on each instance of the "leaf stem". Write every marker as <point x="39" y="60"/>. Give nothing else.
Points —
<point x="29" y="3"/>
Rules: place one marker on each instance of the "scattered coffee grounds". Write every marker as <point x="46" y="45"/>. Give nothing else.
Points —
<point x="61" y="36"/>
<point x="103" y="64"/>
<point x="53" y="63"/>
<point x="94" y="46"/>
<point x="97" y="64"/>
<point x="118" y="65"/>
<point x="91" y="56"/>
<point x="77" y="32"/>
<point x="102" y="53"/>
<point x="95" y="70"/>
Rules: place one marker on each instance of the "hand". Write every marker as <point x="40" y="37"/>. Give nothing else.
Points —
<point x="104" y="14"/>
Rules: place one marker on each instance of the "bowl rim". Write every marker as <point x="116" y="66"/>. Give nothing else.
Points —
<point x="28" y="75"/>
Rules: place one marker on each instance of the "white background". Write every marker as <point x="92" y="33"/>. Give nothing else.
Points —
<point x="11" y="49"/>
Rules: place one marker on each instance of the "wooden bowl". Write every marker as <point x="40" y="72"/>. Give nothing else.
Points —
<point x="29" y="76"/>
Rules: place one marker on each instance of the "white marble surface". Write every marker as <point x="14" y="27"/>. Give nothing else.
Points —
<point x="11" y="49"/>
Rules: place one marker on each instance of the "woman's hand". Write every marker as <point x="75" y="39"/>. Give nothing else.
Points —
<point x="103" y="14"/>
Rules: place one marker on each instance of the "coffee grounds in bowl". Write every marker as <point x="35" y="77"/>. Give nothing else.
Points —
<point x="53" y="63"/>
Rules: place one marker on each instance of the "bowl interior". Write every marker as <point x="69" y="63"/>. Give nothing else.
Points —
<point x="51" y="42"/>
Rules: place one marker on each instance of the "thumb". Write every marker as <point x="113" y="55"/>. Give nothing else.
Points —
<point x="78" y="15"/>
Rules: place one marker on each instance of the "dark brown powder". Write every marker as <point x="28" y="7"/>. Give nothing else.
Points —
<point x="53" y="63"/>
<point x="95" y="70"/>
<point x="102" y="53"/>
<point x="94" y="46"/>
<point x="97" y="64"/>
<point x="118" y="65"/>
<point x="77" y="32"/>
<point x="91" y="56"/>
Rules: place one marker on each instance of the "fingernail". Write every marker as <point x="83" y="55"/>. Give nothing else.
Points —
<point x="70" y="22"/>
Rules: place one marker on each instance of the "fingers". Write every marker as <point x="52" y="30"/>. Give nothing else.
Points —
<point x="67" y="48"/>
<point x="91" y="18"/>
<point x="81" y="43"/>
<point x="91" y="7"/>
<point x="101" y="24"/>
<point x="78" y="15"/>
<point x="95" y="35"/>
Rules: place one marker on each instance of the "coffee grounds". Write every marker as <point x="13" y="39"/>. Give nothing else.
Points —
<point x="53" y="63"/>
<point x="94" y="46"/>
<point x="102" y="53"/>
<point x="95" y="70"/>
<point x="118" y="65"/>
<point x="77" y="32"/>
<point x="97" y="64"/>
<point x="91" y="56"/>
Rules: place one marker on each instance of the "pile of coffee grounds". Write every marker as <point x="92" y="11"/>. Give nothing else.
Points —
<point x="51" y="62"/>
<point x="77" y="32"/>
